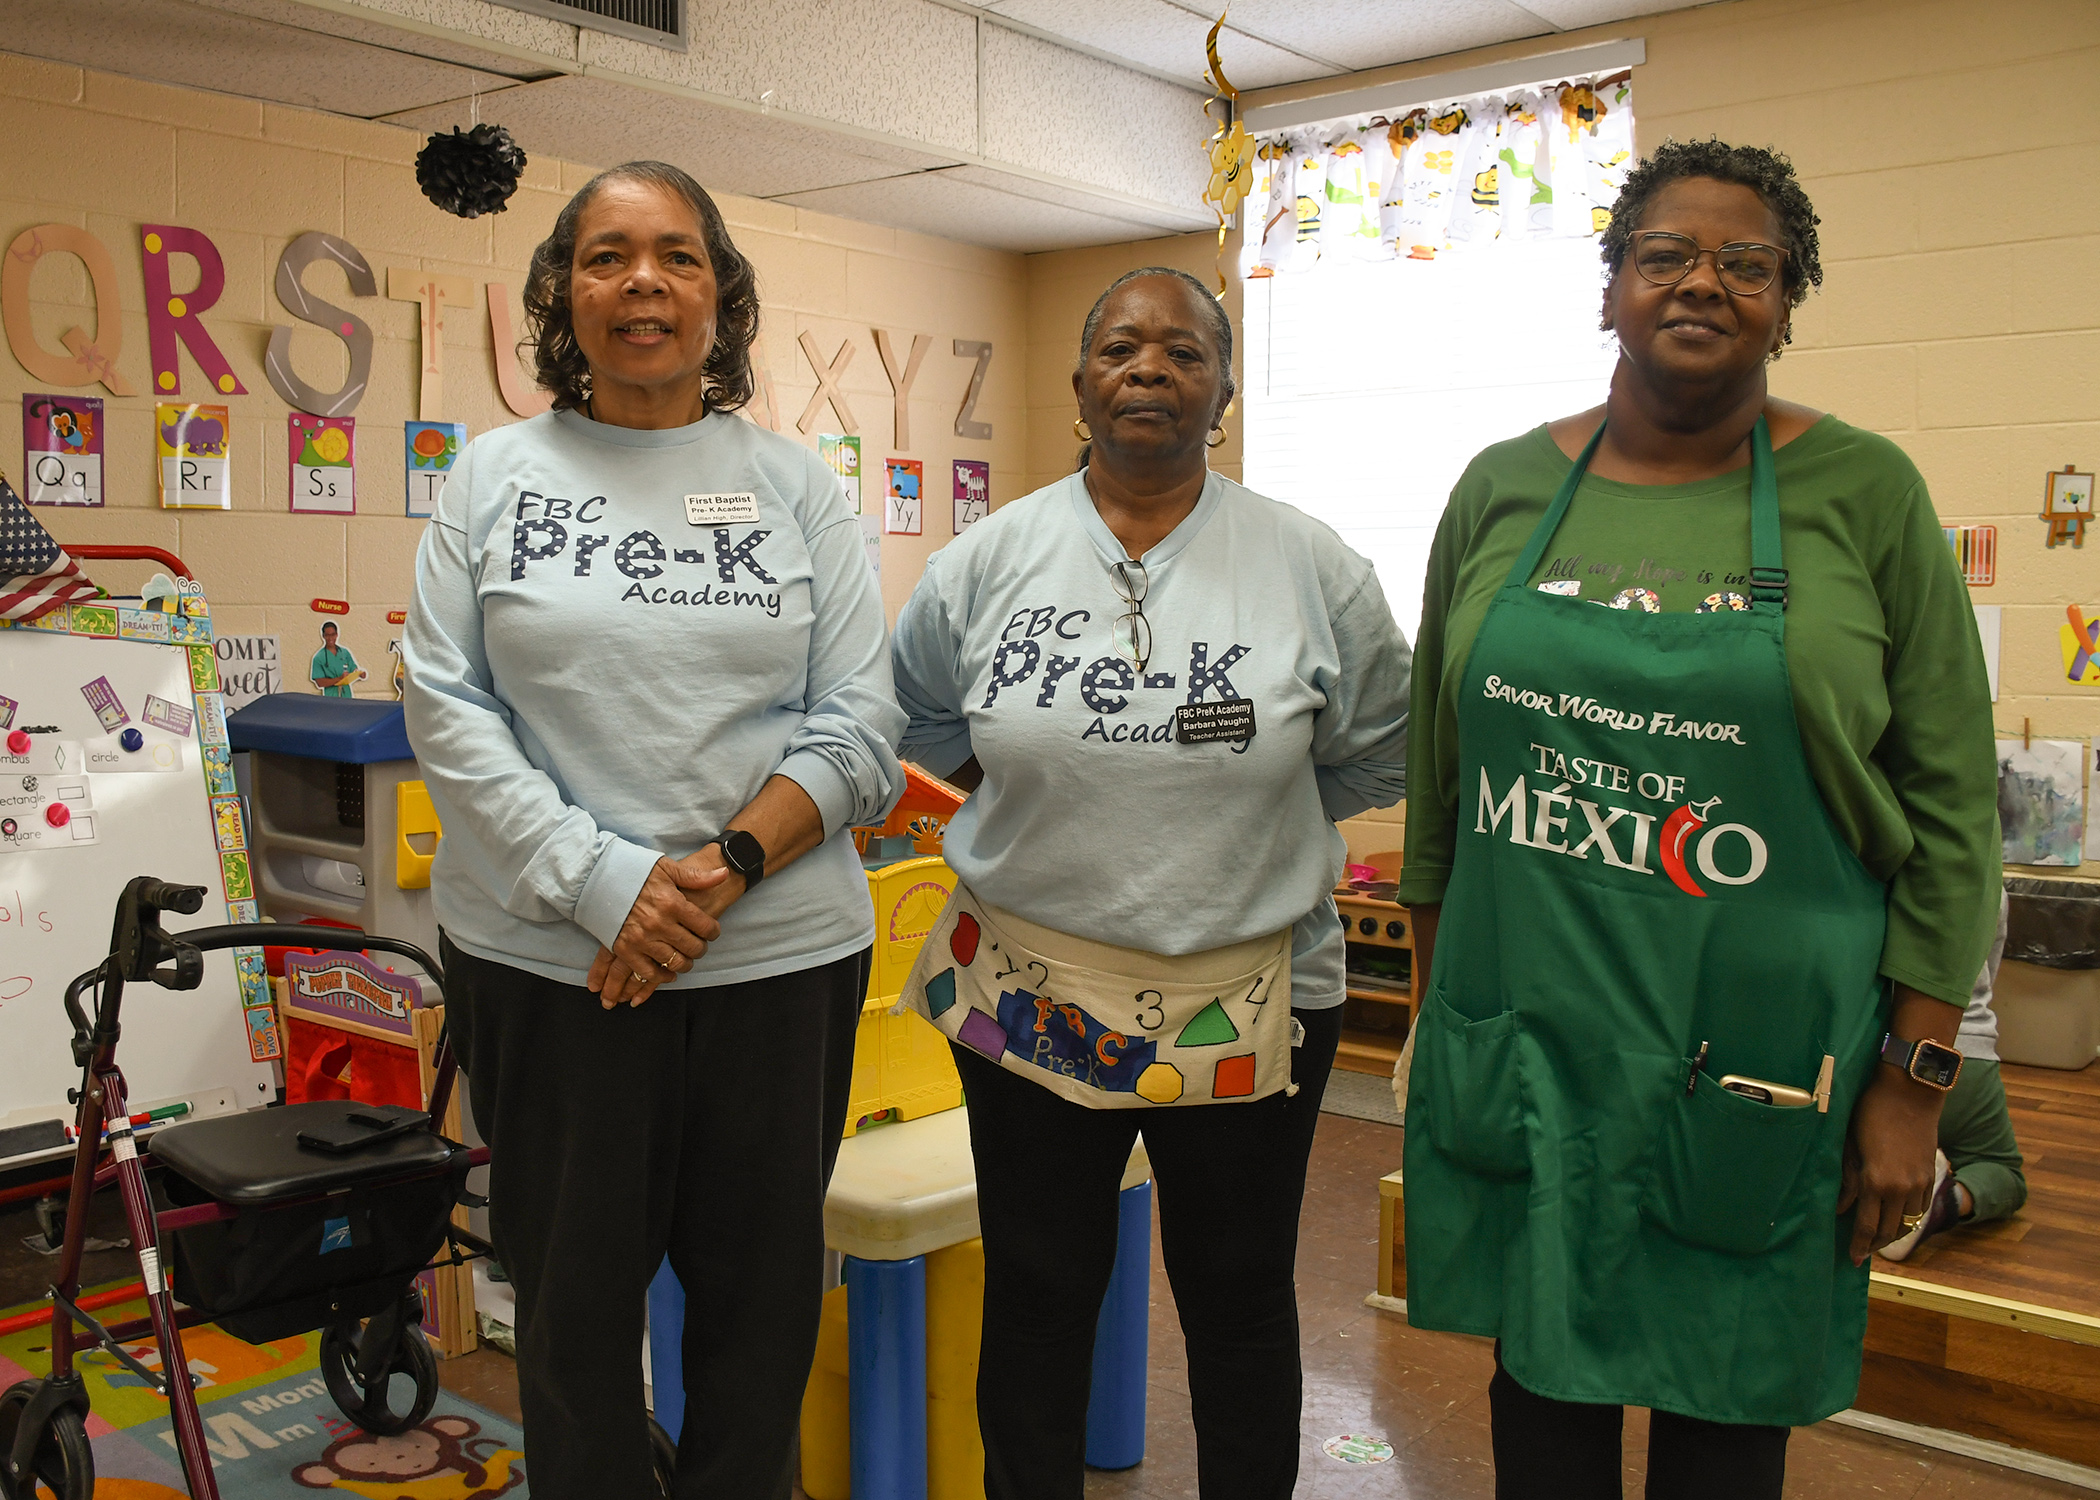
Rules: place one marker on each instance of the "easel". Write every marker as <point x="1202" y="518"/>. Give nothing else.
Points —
<point x="2067" y="507"/>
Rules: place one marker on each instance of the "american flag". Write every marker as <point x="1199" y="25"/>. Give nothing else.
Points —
<point x="36" y="576"/>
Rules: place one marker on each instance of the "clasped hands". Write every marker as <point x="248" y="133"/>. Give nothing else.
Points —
<point x="669" y="927"/>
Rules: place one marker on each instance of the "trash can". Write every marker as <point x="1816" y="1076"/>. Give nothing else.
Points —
<point x="2048" y="993"/>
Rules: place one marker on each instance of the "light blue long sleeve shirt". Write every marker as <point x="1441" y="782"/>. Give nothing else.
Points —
<point x="1093" y="818"/>
<point x="595" y="679"/>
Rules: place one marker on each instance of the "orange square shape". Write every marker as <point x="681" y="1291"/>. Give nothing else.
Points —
<point x="1234" y="1078"/>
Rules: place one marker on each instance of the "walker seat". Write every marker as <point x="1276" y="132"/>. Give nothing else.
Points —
<point x="319" y="1236"/>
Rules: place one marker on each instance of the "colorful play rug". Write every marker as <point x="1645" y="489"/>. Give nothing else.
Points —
<point x="273" y="1430"/>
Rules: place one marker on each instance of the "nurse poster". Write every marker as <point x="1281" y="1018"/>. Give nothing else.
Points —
<point x="62" y="449"/>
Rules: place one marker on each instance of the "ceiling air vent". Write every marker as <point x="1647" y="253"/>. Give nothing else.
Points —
<point x="661" y="22"/>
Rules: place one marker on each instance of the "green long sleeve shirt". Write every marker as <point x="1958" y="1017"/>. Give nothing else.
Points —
<point x="1881" y="645"/>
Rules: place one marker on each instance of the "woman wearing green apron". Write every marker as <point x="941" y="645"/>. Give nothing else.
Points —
<point x="1703" y="849"/>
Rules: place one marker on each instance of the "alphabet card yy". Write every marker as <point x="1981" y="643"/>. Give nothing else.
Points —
<point x="62" y="449"/>
<point x="191" y="440"/>
<point x="322" y="451"/>
<point x="904" y="511"/>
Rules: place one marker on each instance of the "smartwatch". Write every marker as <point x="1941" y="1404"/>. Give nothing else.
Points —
<point x="743" y="853"/>
<point x="1929" y="1063"/>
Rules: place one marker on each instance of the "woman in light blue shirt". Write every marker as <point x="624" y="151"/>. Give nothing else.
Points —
<point x="649" y="690"/>
<point x="1163" y="690"/>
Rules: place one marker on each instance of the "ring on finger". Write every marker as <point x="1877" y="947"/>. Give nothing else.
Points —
<point x="1912" y="1221"/>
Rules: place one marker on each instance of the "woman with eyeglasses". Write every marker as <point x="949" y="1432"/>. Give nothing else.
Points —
<point x="1703" y="852"/>
<point x="1162" y="690"/>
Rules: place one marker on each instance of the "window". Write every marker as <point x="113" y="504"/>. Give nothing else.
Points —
<point x="1371" y="384"/>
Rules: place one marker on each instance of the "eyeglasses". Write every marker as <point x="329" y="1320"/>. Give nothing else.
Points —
<point x="1133" y="632"/>
<point x="1744" y="266"/>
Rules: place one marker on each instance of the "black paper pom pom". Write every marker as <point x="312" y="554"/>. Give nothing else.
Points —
<point x="472" y="172"/>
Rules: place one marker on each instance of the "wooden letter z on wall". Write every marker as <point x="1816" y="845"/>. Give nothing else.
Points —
<point x="982" y="353"/>
<point x="828" y="377"/>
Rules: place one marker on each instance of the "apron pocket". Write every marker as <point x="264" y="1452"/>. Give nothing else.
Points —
<point x="1726" y="1171"/>
<point x="1475" y="1103"/>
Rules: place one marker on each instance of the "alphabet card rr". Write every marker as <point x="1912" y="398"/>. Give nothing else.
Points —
<point x="62" y="449"/>
<point x="193" y="441"/>
<point x="322" y="453"/>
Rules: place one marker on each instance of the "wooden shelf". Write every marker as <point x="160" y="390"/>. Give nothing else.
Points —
<point x="1372" y="1052"/>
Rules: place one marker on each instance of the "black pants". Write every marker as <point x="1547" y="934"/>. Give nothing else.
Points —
<point x="705" y="1123"/>
<point x="1229" y="1179"/>
<point x="1569" y="1450"/>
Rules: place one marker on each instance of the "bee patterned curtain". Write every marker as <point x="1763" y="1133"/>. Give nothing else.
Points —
<point x="1527" y="164"/>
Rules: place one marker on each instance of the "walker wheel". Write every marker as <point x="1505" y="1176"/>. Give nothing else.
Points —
<point x="384" y="1406"/>
<point x="63" y="1463"/>
<point x="663" y="1453"/>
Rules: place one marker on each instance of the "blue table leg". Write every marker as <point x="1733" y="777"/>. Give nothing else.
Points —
<point x="666" y="1349"/>
<point x="886" y="1376"/>
<point x="1115" y="1416"/>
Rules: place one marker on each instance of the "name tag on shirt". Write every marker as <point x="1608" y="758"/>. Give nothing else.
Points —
<point x="1210" y="723"/>
<point x="717" y="510"/>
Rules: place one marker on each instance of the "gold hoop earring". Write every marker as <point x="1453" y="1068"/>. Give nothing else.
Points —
<point x="1217" y="437"/>
<point x="1080" y="430"/>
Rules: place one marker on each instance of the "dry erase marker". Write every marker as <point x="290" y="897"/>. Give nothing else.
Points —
<point x="165" y="1112"/>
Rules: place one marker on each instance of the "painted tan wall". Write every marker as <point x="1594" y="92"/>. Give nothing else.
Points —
<point x="1950" y="151"/>
<point x="109" y="153"/>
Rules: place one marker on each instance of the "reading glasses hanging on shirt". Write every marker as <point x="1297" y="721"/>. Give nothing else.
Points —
<point x="1133" y="632"/>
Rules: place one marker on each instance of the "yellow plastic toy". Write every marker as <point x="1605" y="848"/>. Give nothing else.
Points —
<point x="902" y="1068"/>
<point x="954" y="1327"/>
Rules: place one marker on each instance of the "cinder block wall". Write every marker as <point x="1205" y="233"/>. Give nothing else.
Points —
<point x="109" y="154"/>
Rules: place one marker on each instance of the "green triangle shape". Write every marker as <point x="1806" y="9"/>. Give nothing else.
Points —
<point x="1209" y="1027"/>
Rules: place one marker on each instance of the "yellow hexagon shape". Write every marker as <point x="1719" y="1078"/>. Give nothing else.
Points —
<point x="1161" y="1083"/>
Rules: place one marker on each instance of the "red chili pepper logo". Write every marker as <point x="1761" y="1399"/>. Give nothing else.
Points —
<point x="1677" y="831"/>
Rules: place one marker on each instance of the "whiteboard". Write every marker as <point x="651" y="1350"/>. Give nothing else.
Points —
<point x="58" y="892"/>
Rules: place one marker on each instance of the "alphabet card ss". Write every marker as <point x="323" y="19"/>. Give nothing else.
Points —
<point x="322" y="453"/>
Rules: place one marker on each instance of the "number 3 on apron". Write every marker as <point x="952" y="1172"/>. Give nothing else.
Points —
<point x="1644" y="868"/>
<point x="1107" y="1027"/>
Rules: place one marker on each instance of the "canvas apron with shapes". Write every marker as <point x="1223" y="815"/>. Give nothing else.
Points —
<point x="1644" y="867"/>
<point x="1107" y="1027"/>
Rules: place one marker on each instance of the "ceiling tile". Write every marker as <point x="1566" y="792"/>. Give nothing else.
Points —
<point x="952" y="207"/>
<point x="379" y="34"/>
<point x="597" y="121"/>
<point x="1371" y="33"/>
<point x="174" y="41"/>
<point x="1569" y="14"/>
<point x="1163" y="36"/>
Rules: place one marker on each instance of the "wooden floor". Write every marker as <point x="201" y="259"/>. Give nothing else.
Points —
<point x="2049" y="1251"/>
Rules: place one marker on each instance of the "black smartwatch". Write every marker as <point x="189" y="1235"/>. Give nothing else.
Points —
<point x="744" y="854"/>
<point x="1929" y="1063"/>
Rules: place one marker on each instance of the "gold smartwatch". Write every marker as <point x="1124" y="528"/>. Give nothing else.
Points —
<point x="1930" y="1063"/>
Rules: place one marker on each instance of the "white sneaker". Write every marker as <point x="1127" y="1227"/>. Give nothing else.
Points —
<point x="1942" y="1211"/>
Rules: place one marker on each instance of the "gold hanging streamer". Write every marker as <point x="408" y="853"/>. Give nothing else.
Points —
<point x="1230" y="148"/>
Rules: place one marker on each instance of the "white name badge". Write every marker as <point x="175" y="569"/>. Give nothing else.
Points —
<point x="716" y="510"/>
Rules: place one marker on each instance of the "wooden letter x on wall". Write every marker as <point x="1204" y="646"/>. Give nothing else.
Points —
<point x="828" y="377"/>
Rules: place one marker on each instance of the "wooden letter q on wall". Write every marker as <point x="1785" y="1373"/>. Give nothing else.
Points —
<point x="91" y="359"/>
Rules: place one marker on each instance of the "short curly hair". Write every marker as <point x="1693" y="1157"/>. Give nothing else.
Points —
<point x="558" y="362"/>
<point x="1767" y="173"/>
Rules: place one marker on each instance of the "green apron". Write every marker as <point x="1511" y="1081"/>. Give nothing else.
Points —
<point x="1644" y="869"/>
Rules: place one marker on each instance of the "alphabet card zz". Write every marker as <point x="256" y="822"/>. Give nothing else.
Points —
<point x="322" y="452"/>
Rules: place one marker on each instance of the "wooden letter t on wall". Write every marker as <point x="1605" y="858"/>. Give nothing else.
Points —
<point x="432" y="291"/>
